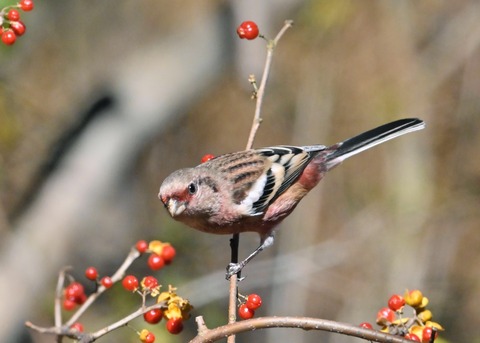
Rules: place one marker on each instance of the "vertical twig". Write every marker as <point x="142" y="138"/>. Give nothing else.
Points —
<point x="257" y="120"/>
<point x="58" y="301"/>
<point x="232" y="299"/>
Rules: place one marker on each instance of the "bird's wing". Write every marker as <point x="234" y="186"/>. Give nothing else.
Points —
<point x="287" y="163"/>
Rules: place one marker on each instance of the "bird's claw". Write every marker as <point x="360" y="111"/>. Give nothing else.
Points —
<point x="232" y="269"/>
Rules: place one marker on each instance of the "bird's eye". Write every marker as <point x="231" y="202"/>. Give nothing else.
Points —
<point x="192" y="188"/>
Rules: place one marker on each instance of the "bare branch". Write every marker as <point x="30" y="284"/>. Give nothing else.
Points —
<point x="91" y="337"/>
<point x="257" y="119"/>
<point x="122" y="322"/>
<point x="304" y="323"/>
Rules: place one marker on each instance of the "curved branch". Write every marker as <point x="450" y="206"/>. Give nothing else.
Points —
<point x="304" y="323"/>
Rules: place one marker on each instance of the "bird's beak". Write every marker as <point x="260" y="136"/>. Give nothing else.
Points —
<point x="174" y="207"/>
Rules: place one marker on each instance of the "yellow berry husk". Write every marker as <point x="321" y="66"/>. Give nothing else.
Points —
<point x="177" y="306"/>
<point x="173" y="311"/>
<point x="416" y="330"/>
<point x="425" y="316"/>
<point x="156" y="247"/>
<point x="434" y="325"/>
<point x="413" y="298"/>
<point x="423" y="304"/>
<point x="164" y="296"/>
<point x="143" y="335"/>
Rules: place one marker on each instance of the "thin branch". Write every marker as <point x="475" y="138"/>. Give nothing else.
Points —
<point x="233" y="290"/>
<point x="123" y="322"/>
<point x="232" y="303"/>
<point x="91" y="337"/>
<point x="58" y="297"/>
<point x="304" y="323"/>
<point x="58" y="301"/>
<point x="202" y="327"/>
<point x="257" y="119"/>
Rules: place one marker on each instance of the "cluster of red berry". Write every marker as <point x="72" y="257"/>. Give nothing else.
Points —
<point x="417" y="328"/>
<point x="91" y="273"/>
<point x="74" y="294"/>
<point x="252" y="302"/>
<point x="161" y="253"/>
<point x="178" y="309"/>
<point x="174" y="309"/>
<point x="11" y="26"/>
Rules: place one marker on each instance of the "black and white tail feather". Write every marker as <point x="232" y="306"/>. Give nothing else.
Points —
<point x="373" y="137"/>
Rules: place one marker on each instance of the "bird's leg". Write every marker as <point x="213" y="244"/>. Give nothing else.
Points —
<point x="234" y="268"/>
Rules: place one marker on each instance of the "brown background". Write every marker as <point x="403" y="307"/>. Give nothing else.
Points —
<point x="78" y="185"/>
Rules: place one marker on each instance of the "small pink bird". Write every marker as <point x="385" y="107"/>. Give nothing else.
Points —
<point x="254" y="190"/>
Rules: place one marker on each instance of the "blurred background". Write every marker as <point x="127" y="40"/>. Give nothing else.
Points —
<point x="101" y="100"/>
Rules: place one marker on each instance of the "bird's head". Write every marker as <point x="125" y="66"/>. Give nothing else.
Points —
<point x="190" y="196"/>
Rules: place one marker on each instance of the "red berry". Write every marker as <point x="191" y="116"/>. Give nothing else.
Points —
<point x="427" y="334"/>
<point x="26" y="5"/>
<point x="75" y="292"/>
<point x="69" y="304"/>
<point x="412" y="337"/>
<point x="396" y="302"/>
<point x="8" y="37"/>
<point x="206" y="158"/>
<point x="18" y="27"/>
<point x="366" y="325"/>
<point x="155" y="262"/>
<point x="175" y="325"/>
<point x="77" y="327"/>
<point x="248" y="30"/>
<point x="91" y="273"/>
<point x="153" y="316"/>
<point x="130" y="283"/>
<point x="149" y="282"/>
<point x="168" y="253"/>
<point x="13" y="15"/>
<point x="82" y="299"/>
<point x="141" y="246"/>
<point x="150" y="338"/>
<point x="244" y="312"/>
<point x="106" y="281"/>
<point x="385" y="314"/>
<point x="254" y="301"/>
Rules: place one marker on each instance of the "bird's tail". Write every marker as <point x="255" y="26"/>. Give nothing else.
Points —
<point x="366" y="140"/>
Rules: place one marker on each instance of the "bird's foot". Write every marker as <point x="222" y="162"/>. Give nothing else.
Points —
<point x="234" y="268"/>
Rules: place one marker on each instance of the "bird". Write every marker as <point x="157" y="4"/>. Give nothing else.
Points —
<point x="254" y="190"/>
